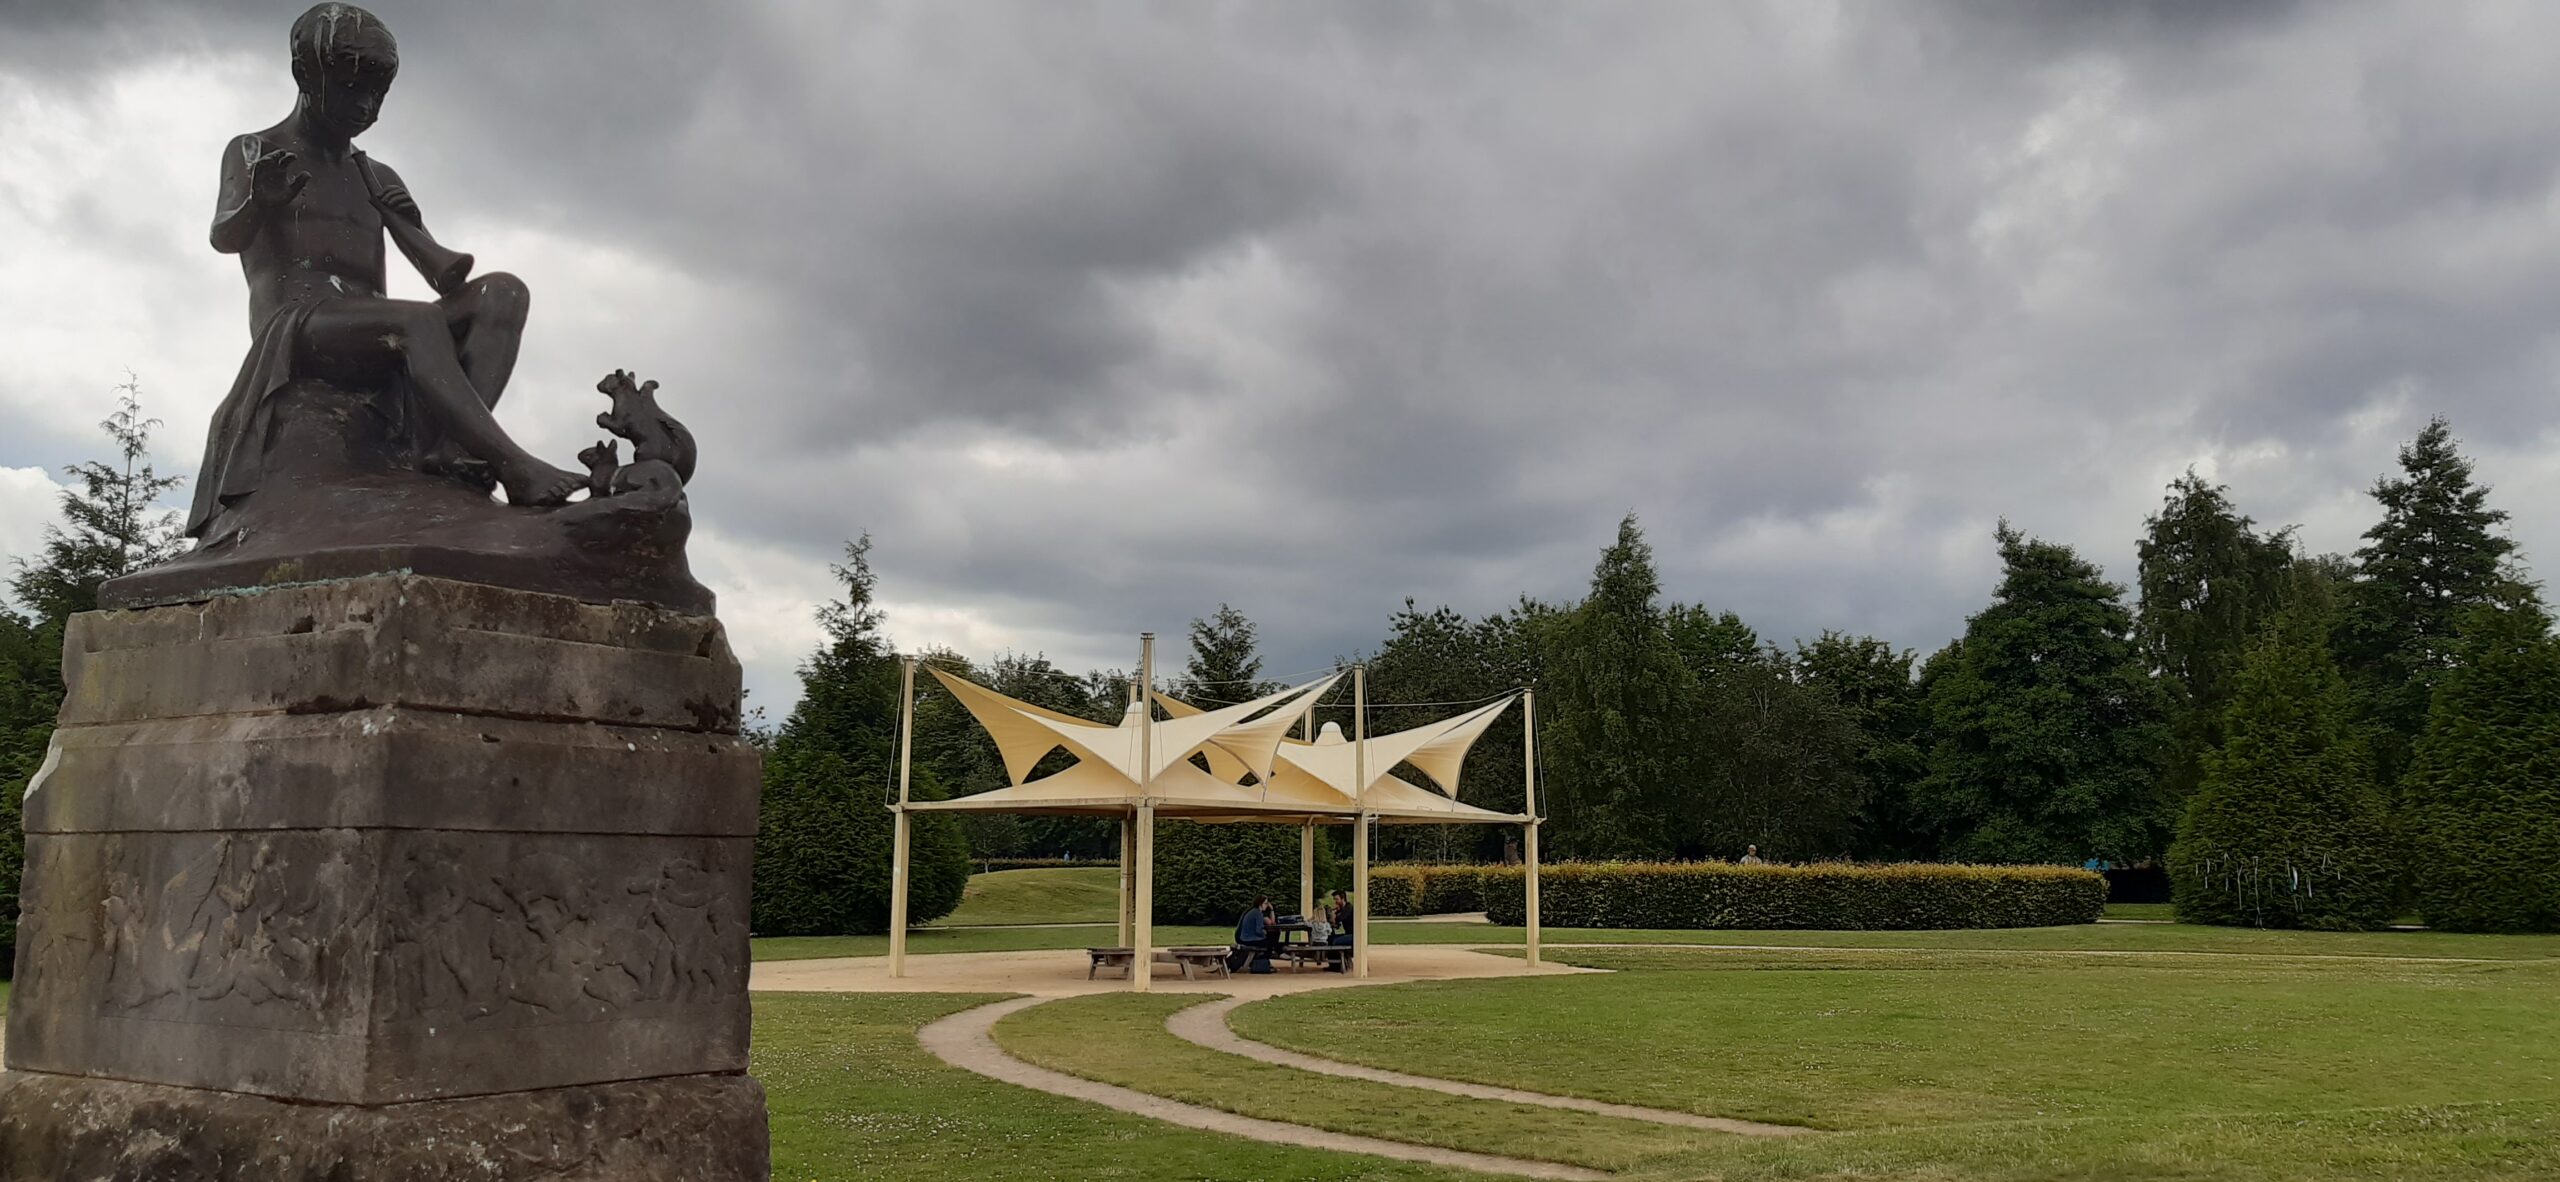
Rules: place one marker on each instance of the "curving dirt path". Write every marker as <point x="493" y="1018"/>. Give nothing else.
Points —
<point x="966" y="1040"/>
<point x="1206" y="1025"/>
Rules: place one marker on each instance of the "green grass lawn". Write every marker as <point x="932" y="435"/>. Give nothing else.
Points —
<point x="2161" y="911"/>
<point x="2009" y="1065"/>
<point x="2158" y="937"/>
<point x="1064" y="895"/>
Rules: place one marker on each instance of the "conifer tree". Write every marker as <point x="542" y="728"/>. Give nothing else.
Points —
<point x="822" y="855"/>
<point x="2286" y="828"/>
<point x="109" y="527"/>
<point x="1873" y="685"/>
<point x="1777" y="765"/>
<point x="1437" y="656"/>
<point x="2481" y="802"/>
<point x="110" y="523"/>
<point x="1211" y="873"/>
<point x="2046" y="728"/>
<point x="1616" y="714"/>
<point x="2208" y="581"/>
<point x="2435" y="554"/>
<point x="1225" y="664"/>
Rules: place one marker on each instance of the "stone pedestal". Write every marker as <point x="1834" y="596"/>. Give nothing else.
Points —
<point x="388" y="878"/>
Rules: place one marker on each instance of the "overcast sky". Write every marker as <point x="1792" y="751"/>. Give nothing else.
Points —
<point x="1098" y="315"/>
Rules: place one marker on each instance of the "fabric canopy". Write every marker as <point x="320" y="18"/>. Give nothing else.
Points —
<point x="1294" y="779"/>
<point x="1332" y="766"/>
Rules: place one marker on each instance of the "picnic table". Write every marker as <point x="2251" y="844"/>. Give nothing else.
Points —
<point x="1302" y="950"/>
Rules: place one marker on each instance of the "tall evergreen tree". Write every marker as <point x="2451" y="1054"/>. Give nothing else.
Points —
<point x="1872" y="683"/>
<point x="2046" y="728"/>
<point x="2435" y="554"/>
<point x="2286" y="828"/>
<point x="823" y="850"/>
<point x="1225" y="664"/>
<point x="2481" y="802"/>
<point x="1776" y="764"/>
<point x="2208" y="580"/>
<point x="1435" y="656"/>
<point x="1615" y="714"/>
<point x="1710" y="642"/>
<point x="1772" y="761"/>
<point x="111" y="525"/>
<point x="1223" y="866"/>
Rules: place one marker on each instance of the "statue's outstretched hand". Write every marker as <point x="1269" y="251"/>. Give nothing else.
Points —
<point x="396" y="198"/>
<point x="271" y="181"/>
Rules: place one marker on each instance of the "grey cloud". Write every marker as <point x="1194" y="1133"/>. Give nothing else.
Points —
<point x="1752" y="271"/>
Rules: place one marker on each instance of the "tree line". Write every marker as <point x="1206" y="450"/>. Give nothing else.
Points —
<point x="2300" y="739"/>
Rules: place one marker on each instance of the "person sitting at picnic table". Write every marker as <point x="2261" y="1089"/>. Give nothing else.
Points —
<point x="1256" y="939"/>
<point x="1339" y="916"/>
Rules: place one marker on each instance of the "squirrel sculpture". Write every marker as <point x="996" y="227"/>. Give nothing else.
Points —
<point x="662" y="450"/>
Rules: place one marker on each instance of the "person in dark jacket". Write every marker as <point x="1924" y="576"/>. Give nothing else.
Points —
<point x="1255" y="939"/>
<point x="1339" y="916"/>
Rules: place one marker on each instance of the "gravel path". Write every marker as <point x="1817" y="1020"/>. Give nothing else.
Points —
<point x="966" y="1041"/>
<point x="1206" y="1025"/>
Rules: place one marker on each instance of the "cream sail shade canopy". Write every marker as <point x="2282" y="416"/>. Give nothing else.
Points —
<point x="1106" y="778"/>
<point x="1142" y="768"/>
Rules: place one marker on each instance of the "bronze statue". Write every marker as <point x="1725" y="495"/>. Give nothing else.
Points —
<point x="306" y="210"/>
<point x="359" y="434"/>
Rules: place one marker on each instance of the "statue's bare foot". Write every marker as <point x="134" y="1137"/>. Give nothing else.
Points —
<point x="532" y="482"/>
<point x="453" y="462"/>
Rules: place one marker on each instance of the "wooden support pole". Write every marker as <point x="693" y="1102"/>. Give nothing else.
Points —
<point x="1529" y="891"/>
<point x="1360" y="898"/>
<point x="1306" y="869"/>
<point x="1128" y="879"/>
<point x="898" y="869"/>
<point x="1360" y="838"/>
<point x="1529" y="809"/>
<point x="1142" y="926"/>
<point x="1142" y="953"/>
<point x="898" y="859"/>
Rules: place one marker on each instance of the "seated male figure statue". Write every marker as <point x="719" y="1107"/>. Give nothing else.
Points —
<point x="306" y="213"/>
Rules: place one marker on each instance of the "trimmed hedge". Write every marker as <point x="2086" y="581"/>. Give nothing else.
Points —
<point x="1826" y="896"/>
<point x="992" y="865"/>
<point x="1428" y="888"/>
<point x="1394" y="890"/>
<point x="1208" y="874"/>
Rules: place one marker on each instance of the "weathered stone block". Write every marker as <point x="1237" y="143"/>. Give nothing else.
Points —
<point x="700" y="1128"/>
<point x="402" y="641"/>
<point x="376" y="846"/>
<point x="380" y="966"/>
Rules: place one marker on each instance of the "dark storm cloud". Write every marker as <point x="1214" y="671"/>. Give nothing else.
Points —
<point x="1099" y="314"/>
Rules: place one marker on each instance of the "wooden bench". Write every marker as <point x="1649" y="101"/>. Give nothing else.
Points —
<point x="1212" y="957"/>
<point x="1185" y="958"/>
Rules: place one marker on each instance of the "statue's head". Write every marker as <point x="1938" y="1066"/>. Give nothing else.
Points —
<point x="343" y="61"/>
